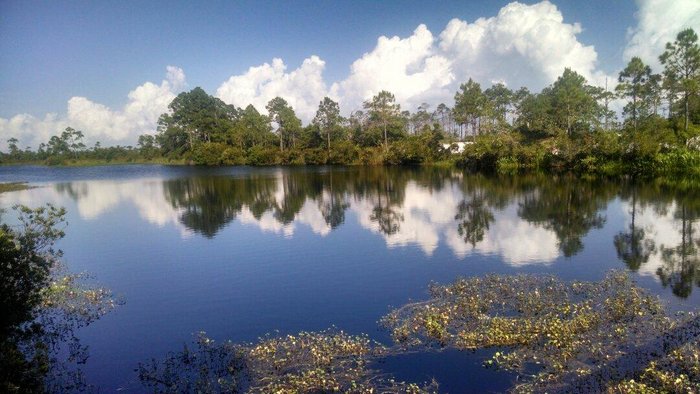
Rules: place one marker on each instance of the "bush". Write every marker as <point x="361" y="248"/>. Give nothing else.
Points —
<point x="411" y="150"/>
<point x="291" y="157"/>
<point x="344" y="152"/>
<point x="262" y="156"/>
<point x="233" y="156"/>
<point x="208" y="153"/>
<point x="507" y="165"/>
<point x="315" y="156"/>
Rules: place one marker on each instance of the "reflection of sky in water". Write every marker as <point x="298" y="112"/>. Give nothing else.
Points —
<point x="242" y="252"/>
<point x="425" y="217"/>
<point x="428" y="216"/>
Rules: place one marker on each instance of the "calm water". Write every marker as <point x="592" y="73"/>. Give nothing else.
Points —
<point x="240" y="252"/>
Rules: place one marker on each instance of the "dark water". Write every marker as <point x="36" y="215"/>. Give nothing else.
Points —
<point x="240" y="252"/>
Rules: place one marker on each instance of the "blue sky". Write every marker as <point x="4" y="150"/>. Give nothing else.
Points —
<point x="51" y="52"/>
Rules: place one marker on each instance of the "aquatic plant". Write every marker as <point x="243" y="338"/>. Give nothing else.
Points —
<point x="586" y="336"/>
<point x="329" y="361"/>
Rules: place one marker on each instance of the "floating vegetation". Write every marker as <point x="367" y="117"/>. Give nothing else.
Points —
<point x="328" y="361"/>
<point x="584" y="336"/>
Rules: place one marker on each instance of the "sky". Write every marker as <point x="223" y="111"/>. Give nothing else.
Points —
<point x="111" y="68"/>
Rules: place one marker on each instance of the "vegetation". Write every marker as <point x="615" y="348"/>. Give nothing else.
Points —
<point x="329" y="361"/>
<point x="42" y="305"/>
<point x="568" y="126"/>
<point x="581" y="336"/>
<point x="13" y="186"/>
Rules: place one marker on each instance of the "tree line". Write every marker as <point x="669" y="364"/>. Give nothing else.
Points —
<point x="567" y="123"/>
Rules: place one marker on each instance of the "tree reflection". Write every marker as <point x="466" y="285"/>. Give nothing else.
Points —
<point x="632" y="247"/>
<point x="569" y="208"/>
<point x="388" y="200"/>
<point x="681" y="268"/>
<point x="333" y="204"/>
<point x="474" y="218"/>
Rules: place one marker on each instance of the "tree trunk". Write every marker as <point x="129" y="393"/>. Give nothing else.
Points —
<point x="686" y="112"/>
<point x="386" y="139"/>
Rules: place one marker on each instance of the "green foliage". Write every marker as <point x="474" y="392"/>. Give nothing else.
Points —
<point x="41" y="306"/>
<point x="208" y="153"/>
<point x="343" y="152"/>
<point x="262" y="156"/>
<point x="233" y="156"/>
<point x="411" y="150"/>
<point x="315" y="156"/>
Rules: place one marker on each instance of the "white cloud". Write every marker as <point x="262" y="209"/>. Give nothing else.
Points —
<point x="524" y="45"/>
<point x="97" y="121"/>
<point x="659" y="21"/>
<point x="303" y="88"/>
<point x="408" y="67"/>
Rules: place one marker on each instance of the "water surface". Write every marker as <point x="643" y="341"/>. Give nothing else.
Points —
<point x="240" y="252"/>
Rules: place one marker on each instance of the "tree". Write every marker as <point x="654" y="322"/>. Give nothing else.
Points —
<point x="573" y="106"/>
<point x="421" y="119"/>
<point x="327" y="117"/>
<point x="288" y="123"/>
<point x="147" y="145"/>
<point x="469" y="104"/>
<point x="499" y="98"/>
<point x="12" y="146"/>
<point x="634" y="85"/>
<point x="383" y="109"/>
<point x="681" y="60"/>
<point x="443" y="114"/>
<point x="195" y="117"/>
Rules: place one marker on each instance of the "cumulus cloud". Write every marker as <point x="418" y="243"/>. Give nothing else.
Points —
<point x="524" y="45"/>
<point x="99" y="122"/>
<point x="659" y="21"/>
<point x="303" y="88"/>
<point x="409" y="67"/>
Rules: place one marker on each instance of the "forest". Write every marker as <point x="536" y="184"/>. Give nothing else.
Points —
<point x="568" y="126"/>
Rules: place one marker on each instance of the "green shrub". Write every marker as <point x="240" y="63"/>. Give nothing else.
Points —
<point x="233" y="156"/>
<point x="411" y="150"/>
<point x="262" y="156"/>
<point x="507" y="165"/>
<point x="208" y="153"/>
<point x="344" y="152"/>
<point x="315" y="156"/>
<point x="291" y="157"/>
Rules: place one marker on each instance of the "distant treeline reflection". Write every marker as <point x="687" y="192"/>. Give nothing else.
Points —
<point x="468" y="206"/>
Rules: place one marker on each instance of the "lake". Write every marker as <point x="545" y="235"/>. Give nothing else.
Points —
<point x="239" y="252"/>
